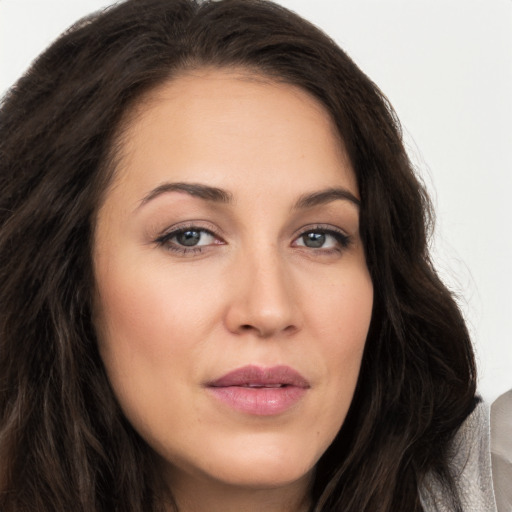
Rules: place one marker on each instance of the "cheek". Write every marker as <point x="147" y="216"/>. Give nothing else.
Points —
<point x="148" y="340"/>
<point x="146" y="310"/>
<point x="339" y="314"/>
<point x="129" y="311"/>
<point x="341" y="310"/>
<point x="154" y="323"/>
<point x="352" y="317"/>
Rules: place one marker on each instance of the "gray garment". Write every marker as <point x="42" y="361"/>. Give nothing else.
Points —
<point x="501" y="450"/>
<point x="470" y="467"/>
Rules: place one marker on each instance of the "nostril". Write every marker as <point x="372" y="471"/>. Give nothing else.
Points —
<point x="265" y="331"/>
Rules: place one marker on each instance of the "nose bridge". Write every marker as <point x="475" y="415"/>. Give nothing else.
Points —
<point x="264" y="302"/>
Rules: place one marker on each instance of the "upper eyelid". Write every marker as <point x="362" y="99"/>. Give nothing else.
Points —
<point x="320" y="227"/>
<point x="178" y="231"/>
<point x="165" y="240"/>
<point x="212" y="229"/>
<point x="184" y="226"/>
<point x="343" y="238"/>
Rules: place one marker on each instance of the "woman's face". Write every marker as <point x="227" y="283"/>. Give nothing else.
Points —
<point x="233" y="297"/>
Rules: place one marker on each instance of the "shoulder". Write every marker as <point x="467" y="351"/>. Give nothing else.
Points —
<point x="501" y="450"/>
<point x="470" y="468"/>
<point x="471" y="463"/>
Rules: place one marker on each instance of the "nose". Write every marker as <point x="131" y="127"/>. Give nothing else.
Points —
<point x="263" y="301"/>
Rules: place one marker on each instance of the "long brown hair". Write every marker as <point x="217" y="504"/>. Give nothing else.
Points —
<point x="64" y="443"/>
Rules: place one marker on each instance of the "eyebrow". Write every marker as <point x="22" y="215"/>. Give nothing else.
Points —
<point x="219" y="195"/>
<point x="325" y="196"/>
<point x="214" y="194"/>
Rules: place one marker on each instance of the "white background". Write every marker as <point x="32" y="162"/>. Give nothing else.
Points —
<point x="446" y="66"/>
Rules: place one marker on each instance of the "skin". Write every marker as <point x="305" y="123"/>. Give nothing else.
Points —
<point x="171" y="318"/>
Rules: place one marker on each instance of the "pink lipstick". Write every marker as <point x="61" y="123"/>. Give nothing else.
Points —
<point x="260" y="391"/>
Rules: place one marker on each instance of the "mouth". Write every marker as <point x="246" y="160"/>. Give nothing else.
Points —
<point x="255" y="385"/>
<point x="260" y="391"/>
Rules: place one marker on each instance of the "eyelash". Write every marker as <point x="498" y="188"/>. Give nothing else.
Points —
<point x="164" y="240"/>
<point x="341" y="238"/>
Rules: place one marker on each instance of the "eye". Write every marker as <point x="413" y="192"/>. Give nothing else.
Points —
<point x="321" y="238"/>
<point x="192" y="237"/>
<point x="188" y="239"/>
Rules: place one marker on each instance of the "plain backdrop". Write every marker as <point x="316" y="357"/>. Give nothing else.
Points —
<point x="446" y="66"/>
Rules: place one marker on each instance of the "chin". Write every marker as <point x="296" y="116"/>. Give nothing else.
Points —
<point x="263" y="467"/>
<point x="266" y="476"/>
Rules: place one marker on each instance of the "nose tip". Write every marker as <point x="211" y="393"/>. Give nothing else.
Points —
<point x="263" y="302"/>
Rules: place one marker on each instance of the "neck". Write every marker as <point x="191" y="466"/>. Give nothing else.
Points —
<point x="203" y="495"/>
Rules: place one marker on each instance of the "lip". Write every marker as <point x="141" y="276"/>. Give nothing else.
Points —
<point x="260" y="391"/>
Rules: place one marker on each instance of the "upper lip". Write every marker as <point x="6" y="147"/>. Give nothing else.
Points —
<point x="256" y="376"/>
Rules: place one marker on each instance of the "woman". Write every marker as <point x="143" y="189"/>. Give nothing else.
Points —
<point x="216" y="289"/>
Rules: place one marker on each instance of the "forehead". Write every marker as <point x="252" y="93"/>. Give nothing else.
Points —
<point x="231" y="128"/>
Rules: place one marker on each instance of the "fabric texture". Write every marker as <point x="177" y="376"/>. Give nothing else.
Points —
<point x="470" y="468"/>
<point x="501" y="450"/>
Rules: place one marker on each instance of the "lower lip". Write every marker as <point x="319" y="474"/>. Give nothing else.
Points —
<point x="259" y="401"/>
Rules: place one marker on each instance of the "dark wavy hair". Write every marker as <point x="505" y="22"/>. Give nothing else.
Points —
<point x="64" y="443"/>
